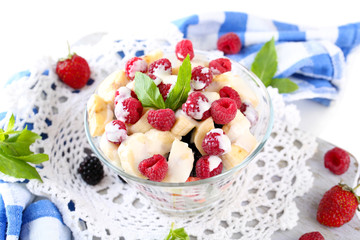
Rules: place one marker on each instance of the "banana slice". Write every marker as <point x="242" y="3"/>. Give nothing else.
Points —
<point x="140" y="146"/>
<point x="181" y="160"/>
<point x="234" y="157"/>
<point x="111" y="83"/>
<point x="211" y="96"/>
<point x="237" y="83"/>
<point x="132" y="151"/>
<point x="183" y="124"/>
<point x="159" y="142"/>
<point x="99" y="114"/>
<point x="142" y="125"/>
<point x="153" y="56"/>
<point x="238" y="131"/>
<point x="110" y="150"/>
<point x="200" y="131"/>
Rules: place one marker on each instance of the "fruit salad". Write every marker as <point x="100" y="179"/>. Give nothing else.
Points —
<point x="174" y="117"/>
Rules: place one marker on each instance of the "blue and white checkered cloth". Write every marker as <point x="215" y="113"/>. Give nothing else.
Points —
<point x="313" y="57"/>
<point x="24" y="219"/>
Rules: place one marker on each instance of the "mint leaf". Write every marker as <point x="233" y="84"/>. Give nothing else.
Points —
<point x="147" y="91"/>
<point x="177" y="234"/>
<point x="17" y="168"/>
<point x="285" y="85"/>
<point x="179" y="93"/>
<point x="265" y="62"/>
<point x="15" y="153"/>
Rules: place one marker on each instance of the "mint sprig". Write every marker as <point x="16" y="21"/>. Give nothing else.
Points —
<point x="147" y="91"/>
<point x="179" y="93"/>
<point x="149" y="95"/>
<point x="177" y="234"/>
<point x="15" y="154"/>
<point x="265" y="66"/>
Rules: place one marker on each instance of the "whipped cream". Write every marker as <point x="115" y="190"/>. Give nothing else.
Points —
<point x="214" y="162"/>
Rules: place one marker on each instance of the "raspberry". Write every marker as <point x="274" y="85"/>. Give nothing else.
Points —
<point x="134" y="65"/>
<point x="216" y="142"/>
<point x="115" y="131"/>
<point x="197" y="106"/>
<point x="208" y="166"/>
<point x="121" y="94"/>
<point x="164" y="89"/>
<point x="220" y="65"/>
<point x="337" y="160"/>
<point x="154" y="168"/>
<point x="161" y="119"/>
<point x="201" y="77"/>
<point x="312" y="236"/>
<point x="231" y="93"/>
<point x="91" y="170"/>
<point x="223" y="110"/>
<point x="128" y="110"/>
<point x="229" y="43"/>
<point x="183" y="48"/>
<point x="159" y="68"/>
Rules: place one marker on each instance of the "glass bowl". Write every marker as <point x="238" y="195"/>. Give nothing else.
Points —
<point x="197" y="196"/>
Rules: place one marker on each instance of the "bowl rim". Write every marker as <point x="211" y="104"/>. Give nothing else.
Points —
<point x="213" y="179"/>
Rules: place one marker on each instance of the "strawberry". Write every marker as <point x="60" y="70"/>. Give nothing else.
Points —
<point x="337" y="206"/>
<point x="74" y="70"/>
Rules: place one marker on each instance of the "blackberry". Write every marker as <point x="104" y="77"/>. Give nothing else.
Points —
<point x="91" y="170"/>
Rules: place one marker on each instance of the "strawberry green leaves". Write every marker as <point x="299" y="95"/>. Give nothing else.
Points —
<point x="15" y="154"/>
<point x="265" y="67"/>
<point x="150" y="96"/>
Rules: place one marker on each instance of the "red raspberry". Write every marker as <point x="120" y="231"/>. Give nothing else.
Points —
<point x="159" y="68"/>
<point x="223" y="110"/>
<point x="201" y="77"/>
<point x="229" y="43"/>
<point x="337" y="160"/>
<point x="164" y="89"/>
<point x="197" y="106"/>
<point x="216" y="142"/>
<point x="115" y="131"/>
<point x="122" y="93"/>
<point x="128" y="110"/>
<point x="154" y="168"/>
<point x="183" y="48"/>
<point x="134" y="65"/>
<point x="220" y="65"/>
<point x="161" y="119"/>
<point x="204" y="164"/>
<point x="231" y="93"/>
<point x="312" y="236"/>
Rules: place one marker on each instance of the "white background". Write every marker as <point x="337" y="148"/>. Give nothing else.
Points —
<point x="31" y="29"/>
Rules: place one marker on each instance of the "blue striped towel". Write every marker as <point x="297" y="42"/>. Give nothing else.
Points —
<point x="20" y="217"/>
<point x="312" y="57"/>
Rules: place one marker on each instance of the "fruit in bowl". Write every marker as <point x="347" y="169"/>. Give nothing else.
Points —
<point x="169" y="118"/>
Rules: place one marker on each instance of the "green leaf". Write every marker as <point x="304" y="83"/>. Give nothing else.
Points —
<point x="18" y="144"/>
<point x="15" y="153"/>
<point x="265" y="62"/>
<point x="147" y="91"/>
<point x="285" y="85"/>
<point x="179" y="93"/>
<point x="17" y="168"/>
<point x="177" y="234"/>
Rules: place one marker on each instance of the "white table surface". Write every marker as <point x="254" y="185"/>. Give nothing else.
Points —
<point x="31" y="29"/>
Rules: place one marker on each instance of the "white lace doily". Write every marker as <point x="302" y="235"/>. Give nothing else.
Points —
<point x="111" y="209"/>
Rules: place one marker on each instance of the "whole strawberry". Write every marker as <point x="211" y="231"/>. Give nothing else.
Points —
<point x="74" y="70"/>
<point x="337" y="206"/>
